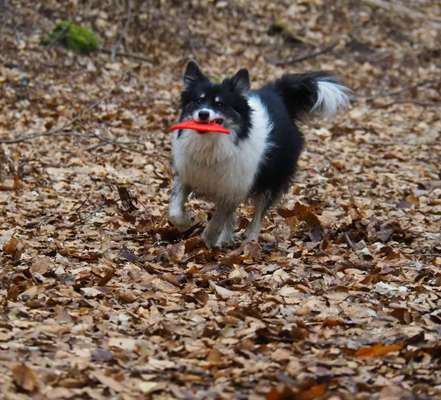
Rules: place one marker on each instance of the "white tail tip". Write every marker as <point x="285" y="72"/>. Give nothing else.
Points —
<point x="331" y="98"/>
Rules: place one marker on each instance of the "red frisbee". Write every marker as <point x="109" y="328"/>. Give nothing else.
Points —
<point x="200" y="127"/>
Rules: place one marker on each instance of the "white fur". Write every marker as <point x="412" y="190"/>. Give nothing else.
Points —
<point x="331" y="97"/>
<point x="218" y="168"/>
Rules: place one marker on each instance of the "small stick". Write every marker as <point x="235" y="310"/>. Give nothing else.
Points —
<point x="308" y="56"/>
<point x="61" y="130"/>
<point x="124" y="31"/>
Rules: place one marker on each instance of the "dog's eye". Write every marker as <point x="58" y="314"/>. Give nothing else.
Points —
<point x="218" y="102"/>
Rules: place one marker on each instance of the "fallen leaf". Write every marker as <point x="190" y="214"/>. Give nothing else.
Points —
<point x="25" y="378"/>
<point x="308" y="393"/>
<point x="14" y="247"/>
<point x="176" y="252"/>
<point x="41" y="265"/>
<point x="91" y="292"/>
<point x="305" y="214"/>
<point x="150" y="387"/>
<point x="101" y="355"/>
<point x="312" y="392"/>
<point x="108" y="381"/>
<point x="214" y="357"/>
<point x="378" y="350"/>
<point x="222" y="292"/>
<point x="332" y="323"/>
<point x="123" y="343"/>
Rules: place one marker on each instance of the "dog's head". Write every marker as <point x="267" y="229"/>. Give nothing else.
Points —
<point x="224" y="103"/>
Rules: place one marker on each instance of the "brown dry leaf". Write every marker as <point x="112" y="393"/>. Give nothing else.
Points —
<point x="89" y="257"/>
<point x="214" y="357"/>
<point x="305" y="214"/>
<point x="25" y="378"/>
<point x="41" y="265"/>
<point x="109" y="273"/>
<point x="176" y="252"/>
<point x="127" y="296"/>
<point x="222" y="292"/>
<point x="123" y="343"/>
<point x="378" y="350"/>
<point x="308" y="393"/>
<point x="193" y="243"/>
<point x="108" y="381"/>
<point x="16" y="185"/>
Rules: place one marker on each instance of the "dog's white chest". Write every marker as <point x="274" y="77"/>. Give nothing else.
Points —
<point x="212" y="167"/>
<point x="221" y="167"/>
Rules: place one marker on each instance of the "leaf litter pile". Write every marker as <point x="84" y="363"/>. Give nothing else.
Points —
<point x="102" y="298"/>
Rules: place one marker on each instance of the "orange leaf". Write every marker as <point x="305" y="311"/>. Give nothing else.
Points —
<point x="332" y="323"/>
<point x="313" y="392"/>
<point x="378" y="350"/>
<point x="11" y="246"/>
<point x="14" y="247"/>
<point x="273" y="394"/>
<point x="286" y="393"/>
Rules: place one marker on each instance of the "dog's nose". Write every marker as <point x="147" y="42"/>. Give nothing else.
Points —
<point x="203" y="115"/>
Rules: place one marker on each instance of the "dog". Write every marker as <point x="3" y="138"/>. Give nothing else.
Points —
<point x="258" y="159"/>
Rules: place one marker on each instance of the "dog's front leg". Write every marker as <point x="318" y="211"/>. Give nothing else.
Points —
<point x="226" y="237"/>
<point x="223" y="218"/>
<point x="176" y="213"/>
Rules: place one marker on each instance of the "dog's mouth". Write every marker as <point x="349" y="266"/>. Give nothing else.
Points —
<point x="219" y="121"/>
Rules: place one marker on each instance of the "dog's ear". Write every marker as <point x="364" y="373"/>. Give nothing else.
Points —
<point x="192" y="74"/>
<point x="241" y="81"/>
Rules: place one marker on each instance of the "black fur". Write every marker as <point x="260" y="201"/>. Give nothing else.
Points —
<point x="286" y="100"/>
<point x="299" y="91"/>
<point x="278" y="167"/>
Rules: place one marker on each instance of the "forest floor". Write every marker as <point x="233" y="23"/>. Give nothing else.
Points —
<point x="101" y="298"/>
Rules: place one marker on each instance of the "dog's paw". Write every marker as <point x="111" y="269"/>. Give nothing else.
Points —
<point x="210" y="240"/>
<point x="182" y="222"/>
<point x="226" y="240"/>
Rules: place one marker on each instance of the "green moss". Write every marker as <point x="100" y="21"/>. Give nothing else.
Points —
<point x="73" y="37"/>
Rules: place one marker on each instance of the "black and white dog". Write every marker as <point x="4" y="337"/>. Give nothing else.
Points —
<point x="258" y="159"/>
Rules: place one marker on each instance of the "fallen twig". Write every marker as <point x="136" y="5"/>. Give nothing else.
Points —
<point x="400" y="91"/>
<point x="126" y="55"/>
<point x="121" y="35"/>
<point x="400" y="9"/>
<point x="308" y="56"/>
<point x="62" y="130"/>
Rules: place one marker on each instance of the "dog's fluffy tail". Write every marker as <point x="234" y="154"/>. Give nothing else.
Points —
<point x="312" y="92"/>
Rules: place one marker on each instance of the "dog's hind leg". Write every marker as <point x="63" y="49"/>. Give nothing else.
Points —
<point x="261" y="202"/>
<point x="177" y="214"/>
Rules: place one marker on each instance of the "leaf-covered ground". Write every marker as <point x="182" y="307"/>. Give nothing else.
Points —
<point x="101" y="298"/>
